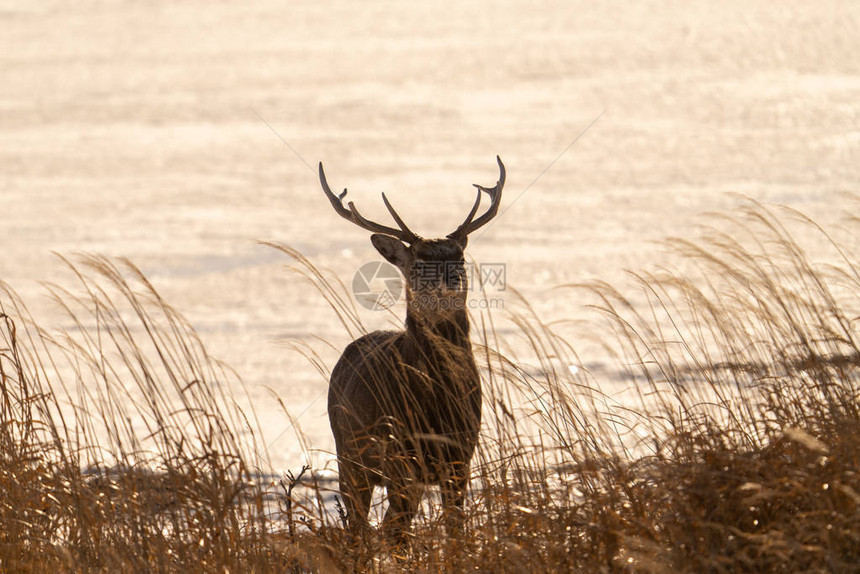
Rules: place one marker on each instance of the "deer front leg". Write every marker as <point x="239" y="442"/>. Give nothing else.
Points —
<point x="403" y="500"/>
<point x="356" y="490"/>
<point x="453" y="493"/>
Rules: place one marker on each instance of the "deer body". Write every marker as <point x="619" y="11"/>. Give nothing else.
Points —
<point x="405" y="406"/>
<point x="404" y="414"/>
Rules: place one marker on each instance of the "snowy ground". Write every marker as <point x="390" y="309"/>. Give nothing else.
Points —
<point x="181" y="134"/>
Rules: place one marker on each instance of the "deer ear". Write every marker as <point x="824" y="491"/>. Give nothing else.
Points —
<point x="392" y="249"/>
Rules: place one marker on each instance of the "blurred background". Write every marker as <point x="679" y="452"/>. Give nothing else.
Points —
<point x="181" y="134"/>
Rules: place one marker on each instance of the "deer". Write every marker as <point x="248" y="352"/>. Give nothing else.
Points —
<point x="405" y="406"/>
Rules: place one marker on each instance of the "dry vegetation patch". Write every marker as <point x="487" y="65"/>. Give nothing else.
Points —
<point x="123" y="449"/>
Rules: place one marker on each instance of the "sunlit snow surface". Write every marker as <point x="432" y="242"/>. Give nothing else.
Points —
<point x="181" y="134"/>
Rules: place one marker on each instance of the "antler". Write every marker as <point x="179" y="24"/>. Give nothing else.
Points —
<point x="403" y="234"/>
<point x="495" y="194"/>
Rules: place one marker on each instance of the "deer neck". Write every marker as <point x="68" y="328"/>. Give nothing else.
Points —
<point x="430" y="330"/>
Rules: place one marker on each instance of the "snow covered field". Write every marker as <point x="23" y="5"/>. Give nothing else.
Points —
<point x="180" y="135"/>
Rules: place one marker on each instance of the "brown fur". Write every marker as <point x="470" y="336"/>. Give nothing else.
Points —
<point x="405" y="406"/>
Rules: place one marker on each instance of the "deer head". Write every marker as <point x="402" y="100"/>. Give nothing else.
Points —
<point x="434" y="269"/>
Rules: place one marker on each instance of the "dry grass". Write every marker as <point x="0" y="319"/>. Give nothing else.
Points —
<point x="120" y="447"/>
<point x="737" y="447"/>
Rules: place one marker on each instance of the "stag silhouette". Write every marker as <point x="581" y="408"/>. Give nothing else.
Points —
<point x="405" y="406"/>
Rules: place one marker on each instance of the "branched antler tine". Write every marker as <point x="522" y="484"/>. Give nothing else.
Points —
<point x="369" y="225"/>
<point x="352" y="214"/>
<point x="336" y="201"/>
<point x="472" y="213"/>
<point x="400" y="223"/>
<point x="495" y="193"/>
